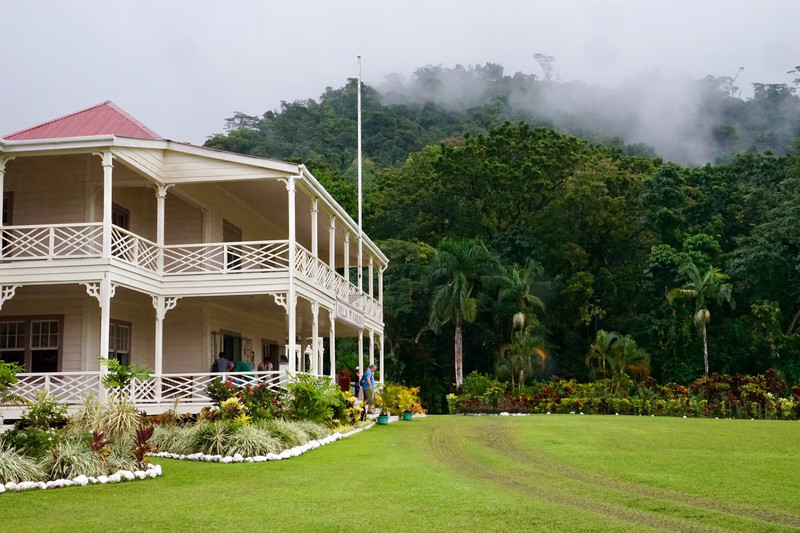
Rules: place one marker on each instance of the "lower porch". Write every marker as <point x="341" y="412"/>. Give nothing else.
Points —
<point x="184" y="392"/>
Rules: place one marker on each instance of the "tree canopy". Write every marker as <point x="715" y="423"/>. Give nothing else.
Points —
<point x="593" y="234"/>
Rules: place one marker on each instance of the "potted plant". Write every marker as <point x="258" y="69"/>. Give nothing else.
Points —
<point x="383" y="401"/>
<point x="405" y="402"/>
<point x="383" y="418"/>
<point x="408" y="401"/>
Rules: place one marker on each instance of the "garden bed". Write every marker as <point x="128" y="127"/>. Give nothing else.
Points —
<point x="238" y="458"/>
<point x="120" y="476"/>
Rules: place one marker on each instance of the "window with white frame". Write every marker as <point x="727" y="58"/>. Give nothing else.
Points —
<point x="33" y="343"/>
<point x="119" y="341"/>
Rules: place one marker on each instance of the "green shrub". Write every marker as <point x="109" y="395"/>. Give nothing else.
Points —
<point x="174" y="439"/>
<point x="314" y="430"/>
<point x="16" y="467"/>
<point x="347" y="413"/>
<point x="313" y="398"/>
<point x="476" y="384"/>
<point x="8" y="378"/>
<point x="249" y="441"/>
<point x="33" y="441"/>
<point x="212" y="438"/>
<point x="289" y="433"/>
<point x="44" y="412"/>
<point x="452" y="403"/>
<point x="119" y="417"/>
<point x="219" y="391"/>
<point x="119" y="376"/>
<point x="119" y="459"/>
<point x="73" y="458"/>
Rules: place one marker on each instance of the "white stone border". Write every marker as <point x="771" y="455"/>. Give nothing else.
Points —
<point x="152" y="471"/>
<point x="238" y="458"/>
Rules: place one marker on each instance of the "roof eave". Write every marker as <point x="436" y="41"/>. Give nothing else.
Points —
<point x="60" y="145"/>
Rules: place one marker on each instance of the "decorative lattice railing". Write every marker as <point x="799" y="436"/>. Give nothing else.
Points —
<point x="71" y="241"/>
<point x="161" y="390"/>
<point x="323" y="275"/>
<point x="135" y="250"/>
<point x="223" y="258"/>
<point x="53" y="241"/>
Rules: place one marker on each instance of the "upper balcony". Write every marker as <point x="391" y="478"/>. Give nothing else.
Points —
<point x="167" y="264"/>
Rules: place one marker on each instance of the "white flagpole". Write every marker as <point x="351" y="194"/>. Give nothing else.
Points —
<point x="360" y="230"/>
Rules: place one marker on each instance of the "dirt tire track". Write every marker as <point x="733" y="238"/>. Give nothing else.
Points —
<point x="447" y="449"/>
<point x="513" y="448"/>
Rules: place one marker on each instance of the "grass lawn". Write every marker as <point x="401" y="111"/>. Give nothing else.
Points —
<point x="446" y="473"/>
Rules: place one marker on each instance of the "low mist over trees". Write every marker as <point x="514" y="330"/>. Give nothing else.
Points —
<point x="678" y="119"/>
<point x="609" y="236"/>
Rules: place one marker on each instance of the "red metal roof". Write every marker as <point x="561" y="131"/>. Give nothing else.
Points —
<point x="102" y="119"/>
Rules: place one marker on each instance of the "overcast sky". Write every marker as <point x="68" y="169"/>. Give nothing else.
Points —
<point x="182" y="67"/>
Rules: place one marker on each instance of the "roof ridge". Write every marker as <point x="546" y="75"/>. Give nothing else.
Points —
<point x="130" y="117"/>
<point x="108" y="104"/>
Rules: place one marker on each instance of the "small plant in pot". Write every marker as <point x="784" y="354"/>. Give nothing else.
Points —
<point x="382" y="401"/>
<point x="406" y="400"/>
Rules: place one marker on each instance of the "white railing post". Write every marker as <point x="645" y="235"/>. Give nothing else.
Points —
<point x="51" y="241"/>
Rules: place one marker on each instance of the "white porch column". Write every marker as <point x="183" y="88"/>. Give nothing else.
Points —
<point x="162" y="305"/>
<point x="303" y="346"/>
<point x="380" y="284"/>
<point x="316" y="368"/>
<point x="3" y="161"/>
<point x="371" y="347"/>
<point x="161" y="196"/>
<point x="380" y="363"/>
<point x="346" y="270"/>
<point x="105" y="316"/>
<point x="291" y="297"/>
<point x="332" y="244"/>
<point x="332" y="337"/>
<point x="314" y="227"/>
<point x="371" y="274"/>
<point x="102" y="292"/>
<point x="361" y="353"/>
<point x="360" y="260"/>
<point x="107" y="196"/>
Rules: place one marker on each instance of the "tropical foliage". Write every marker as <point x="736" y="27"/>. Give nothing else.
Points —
<point x="575" y="214"/>
<point x="718" y="396"/>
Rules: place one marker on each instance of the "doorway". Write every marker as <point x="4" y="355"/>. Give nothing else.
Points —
<point x="232" y="346"/>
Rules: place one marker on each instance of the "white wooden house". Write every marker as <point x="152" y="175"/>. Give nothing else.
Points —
<point x="118" y="242"/>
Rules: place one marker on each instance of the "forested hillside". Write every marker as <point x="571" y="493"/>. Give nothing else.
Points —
<point x="585" y="236"/>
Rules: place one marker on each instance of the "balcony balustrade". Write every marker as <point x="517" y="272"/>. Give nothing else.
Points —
<point x="53" y="242"/>
<point x="156" y="394"/>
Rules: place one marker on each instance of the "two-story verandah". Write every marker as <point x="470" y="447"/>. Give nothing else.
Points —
<point x="118" y="242"/>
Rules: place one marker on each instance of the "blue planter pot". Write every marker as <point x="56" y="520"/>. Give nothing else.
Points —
<point x="408" y="415"/>
<point x="383" y="420"/>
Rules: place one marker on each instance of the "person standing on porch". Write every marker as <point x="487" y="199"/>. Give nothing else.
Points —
<point x="221" y="364"/>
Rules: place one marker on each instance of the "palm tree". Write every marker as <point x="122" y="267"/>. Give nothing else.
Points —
<point x="457" y="266"/>
<point x="522" y="356"/>
<point x="617" y="354"/>
<point x="628" y="356"/>
<point x="601" y="349"/>
<point x="703" y="287"/>
<point x="516" y="287"/>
